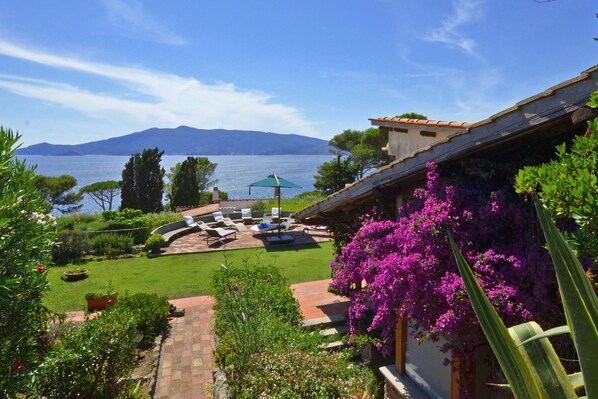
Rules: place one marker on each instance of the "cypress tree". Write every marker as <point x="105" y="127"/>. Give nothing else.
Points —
<point x="142" y="184"/>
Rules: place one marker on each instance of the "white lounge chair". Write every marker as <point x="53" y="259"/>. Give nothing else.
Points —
<point x="218" y="218"/>
<point x="246" y="216"/>
<point x="190" y="222"/>
<point x="267" y="218"/>
<point x="219" y="234"/>
<point x="276" y="214"/>
<point x="263" y="227"/>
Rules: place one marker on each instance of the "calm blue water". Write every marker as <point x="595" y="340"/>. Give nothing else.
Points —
<point x="234" y="172"/>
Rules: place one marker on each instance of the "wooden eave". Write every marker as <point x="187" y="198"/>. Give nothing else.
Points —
<point x="524" y="118"/>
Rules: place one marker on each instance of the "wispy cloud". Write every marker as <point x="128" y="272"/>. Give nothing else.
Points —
<point x="151" y="98"/>
<point x="450" y="30"/>
<point x="131" y="16"/>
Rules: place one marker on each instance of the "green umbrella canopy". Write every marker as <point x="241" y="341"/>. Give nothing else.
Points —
<point x="277" y="183"/>
<point x="273" y="181"/>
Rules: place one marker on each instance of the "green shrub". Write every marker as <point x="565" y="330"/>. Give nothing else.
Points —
<point x="154" y="220"/>
<point x="26" y="238"/>
<point x="155" y="242"/>
<point x="91" y="360"/>
<point x="292" y="374"/>
<point x="258" y="325"/>
<point x="149" y="311"/>
<point x="122" y="215"/>
<point x="255" y="310"/>
<point x="258" y="206"/>
<point x="112" y="244"/>
<point x="72" y="246"/>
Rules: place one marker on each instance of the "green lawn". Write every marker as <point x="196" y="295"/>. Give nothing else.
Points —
<point x="179" y="276"/>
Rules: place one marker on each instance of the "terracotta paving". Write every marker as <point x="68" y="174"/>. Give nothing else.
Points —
<point x="196" y="242"/>
<point x="186" y="361"/>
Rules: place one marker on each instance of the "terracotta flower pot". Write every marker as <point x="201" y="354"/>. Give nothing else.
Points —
<point x="100" y="303"/>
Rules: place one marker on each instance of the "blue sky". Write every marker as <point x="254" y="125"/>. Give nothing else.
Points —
<point x="74" y="71"/>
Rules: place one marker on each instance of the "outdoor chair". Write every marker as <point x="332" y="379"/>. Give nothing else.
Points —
<point x="276" y="214"/>
<point x="267" y="218"/>
<point x="246" y="216"/>
<point x="203" y="226"/>
<point x="263" y="228"/>
<point x="190" y="222"/>
<point x="288" y="223"/>
<point x="218" y="234"/>
<point x="218" y="218"/>
<point x="228" y="222"/>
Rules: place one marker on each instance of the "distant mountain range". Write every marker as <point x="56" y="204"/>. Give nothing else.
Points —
<point x="185" y="140"/>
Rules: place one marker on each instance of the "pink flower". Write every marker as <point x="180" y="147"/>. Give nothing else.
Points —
<point x="40" y="268"/>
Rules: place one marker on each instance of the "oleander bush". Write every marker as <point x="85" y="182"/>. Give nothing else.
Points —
<point x="26" y="239"/>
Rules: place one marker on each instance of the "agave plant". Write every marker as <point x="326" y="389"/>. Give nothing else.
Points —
<point x="524" y="352"/>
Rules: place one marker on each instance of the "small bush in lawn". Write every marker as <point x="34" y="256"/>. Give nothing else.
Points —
<point x="149" y="311"/>
<point x="112" y="244"/>
<point x="92" y="360"/>
<point x="72" y="246"/>
<point x="155" y="242"/>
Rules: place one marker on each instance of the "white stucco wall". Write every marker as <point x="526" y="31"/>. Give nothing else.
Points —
<point x="425" y="367"/>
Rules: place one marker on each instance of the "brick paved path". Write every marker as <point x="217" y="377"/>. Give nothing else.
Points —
<point x="186" y="361"/>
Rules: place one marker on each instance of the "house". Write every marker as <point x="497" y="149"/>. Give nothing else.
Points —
<point x="546" y="119"/>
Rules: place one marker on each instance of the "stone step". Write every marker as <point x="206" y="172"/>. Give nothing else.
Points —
<point x="336" y="330"/>
<point x="325" y="322"/>
<point x="333" y="346"/>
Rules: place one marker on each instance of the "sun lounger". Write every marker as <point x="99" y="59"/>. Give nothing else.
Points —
<point x="246" y="216"/>
<point x="218" y="218"/>
<point x="263" y="228"/>
<point x="267" y="218"/>
<point x="190" y="222"/>
<point x="218" y="234"/>
<point x="276" y="215"/>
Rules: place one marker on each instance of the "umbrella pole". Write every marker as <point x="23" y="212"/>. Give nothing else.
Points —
<point x="279" y="212"/>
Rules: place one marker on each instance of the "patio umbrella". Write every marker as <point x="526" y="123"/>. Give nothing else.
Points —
<point x="278" y="183"/>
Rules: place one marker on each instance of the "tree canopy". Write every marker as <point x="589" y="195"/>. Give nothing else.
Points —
<point x="568" y="187"/>
<point x="56" y="191"/>
<point x="412" y="115"/>
<point x="102" y="193"/>
<point x="142" y="184"/>
<point x="333" y="175"/>
<point x="189" y="180"/>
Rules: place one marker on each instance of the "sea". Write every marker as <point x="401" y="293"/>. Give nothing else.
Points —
<point x="234" y="172"/>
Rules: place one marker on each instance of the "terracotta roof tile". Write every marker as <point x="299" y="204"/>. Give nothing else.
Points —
<point x="422" y="122"/>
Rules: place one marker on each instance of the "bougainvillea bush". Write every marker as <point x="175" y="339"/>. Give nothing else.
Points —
<point x="407" y="270"/>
